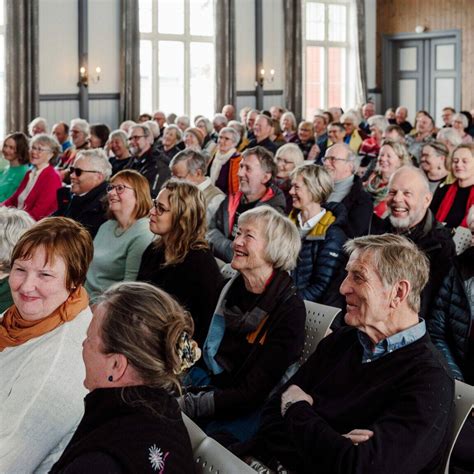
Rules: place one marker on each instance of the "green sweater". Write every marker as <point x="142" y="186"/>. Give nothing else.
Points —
<point x="10" y="179"/>
<point x="117" y="255"/>
<point x="6" y="299"/>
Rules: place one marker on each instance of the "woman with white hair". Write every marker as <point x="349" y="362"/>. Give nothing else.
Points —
<point x="118" y="145"/>
<point x="13" y="224"/>
<point x="377" y="125"/>
<point x="460" y="123"/>
<point x="205" y="125"/>
<point x="37" y="125"/>
<point x="320" y="225"/>
<point x="257" y="330"/>
<point x="288" y="127"/>
<point x="353" y="137"/>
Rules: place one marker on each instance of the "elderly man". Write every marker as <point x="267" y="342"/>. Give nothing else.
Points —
<point x="320" y="125"/>
<point x="250" y="123"/>
<point x="229" y="111"/>
<point x="342" y="163"/>
<point x="375" y="397"/>
<point x="144" y="161"/>
<point x="401" y="115"/>
<point x="218" y="122"/>
<point x="262" y="131"/>
<point x="336" y="133"/>
<point x="368" y="110"/>
<point x="160" y="118"/>
<point x="447" y="116"/>
<point x="190" y="165"/>
<point x="256" y="171"/>
<point x="61" y="132"/>
<point x="408" y="202"/>
<point x="84" y="201"/>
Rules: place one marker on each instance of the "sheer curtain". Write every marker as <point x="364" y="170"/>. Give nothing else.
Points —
<point x="293" y="14"/>
<point x="129" y="60"/>
<point x="225" y="53"/>
<point x="21" y="65"/>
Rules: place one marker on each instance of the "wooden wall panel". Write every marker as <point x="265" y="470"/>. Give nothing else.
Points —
<point x="402" y="16"/>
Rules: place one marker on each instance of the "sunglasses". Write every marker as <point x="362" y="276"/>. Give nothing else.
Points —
<point x="79" y="171"/>
<point x="119" y="188"/>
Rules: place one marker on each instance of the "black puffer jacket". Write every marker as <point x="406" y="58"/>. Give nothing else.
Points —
<point x="451" y="319"/>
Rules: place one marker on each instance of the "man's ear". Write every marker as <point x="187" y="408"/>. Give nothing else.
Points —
<point x="267" y="177"/>
<point x="400" y="293"/>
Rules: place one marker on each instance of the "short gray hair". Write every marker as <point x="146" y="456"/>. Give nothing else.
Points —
<point x="265" y="158"/>
<point x="232" y="131"/>
<point x="450" y="135"/>
<point x="121" y="135"/>
<point x="206" y="122"/>
<point x="220" y="118"/>
<point x="462" y="117"/>
<point x="395" y="258"/>
<point x="183" y="118"/>
<point x="237" y="126"/>
<point x="154" y="127"/>
<point x="350" y="117"/>
<point x="99" y="161"/>
<point x="292" y="151"/>
<point x="317" y="179"/>
<point x="421" y="174"/>
<point x="282" y="236"/>
<point x="50" y="141"/>
<point x="291" y="116"/>
<point x="378" y="121"/>
<point x="144" y="128"/>
<point x="194" y="161"/>
<point x="13" y="224"/>
<point x="179" y="133"/>
<point x="37" y="121"/>
<point x="81" y="124"/>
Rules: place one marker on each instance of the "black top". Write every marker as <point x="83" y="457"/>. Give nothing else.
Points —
<point x="405" y="398"/>
<point x="129" y="429"/>
<point x="267" y="143"/>
<point x="195" y="282"/>
<point x="458" y="209"/>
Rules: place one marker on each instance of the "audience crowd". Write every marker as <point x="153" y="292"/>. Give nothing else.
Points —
<point x="118" y="237"/>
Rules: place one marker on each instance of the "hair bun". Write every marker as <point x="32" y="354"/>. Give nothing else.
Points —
<point x="188" y="352"/>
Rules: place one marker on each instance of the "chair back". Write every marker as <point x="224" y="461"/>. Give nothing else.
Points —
<point x="319" y="318"/>
<point x="463" y="405"/>
<point x="227" y="271"/>
<point x="462" y="239"/>
<point x="210" y="456"/>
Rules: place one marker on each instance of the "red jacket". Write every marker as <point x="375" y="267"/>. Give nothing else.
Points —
<point x="41" y="201"/>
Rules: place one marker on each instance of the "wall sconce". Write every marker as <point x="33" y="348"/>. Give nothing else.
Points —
<point x="420" y="29"/>
<point x="262" y="79"/>
<point x="84" y="77"/>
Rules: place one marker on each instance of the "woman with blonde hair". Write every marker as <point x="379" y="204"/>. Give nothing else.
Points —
<point x="392" y="155"/>
<point x="133" y="355"/>
<point x="122" y="239"/>
<point x="179" y="260"/>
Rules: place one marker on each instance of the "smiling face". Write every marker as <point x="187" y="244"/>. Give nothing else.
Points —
<point x="38" y="287"/>
<point x="170" y="138"/>
<point x="336" y="162"/>
<point x="40" y="154"/>
<point x="225" y="142"/>
<point x="423" y="124"/>
<point x="388" y="161"/>
<point x="118" y="147"/>
<point x="252" y="178"/>
<point x="300" y="193"/>
<point x="161" y="219"/>
<point x="305" y="132"/>
<point x="249" y="248"/>
<point x="87" y="181"/>
<point x="125" y="202"/>
<point x="262" y="129"/>
<point x="285" y="166"/>
<point x="463" y="165"/>
<point x="336" y="135"/>
<point x="9" y="150"/>
<point x="430" y="161"/>
<point x="408" y="199"/>
<point x="367" y="298"/>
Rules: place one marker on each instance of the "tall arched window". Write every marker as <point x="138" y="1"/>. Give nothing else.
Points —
<point x="177" y="57"/>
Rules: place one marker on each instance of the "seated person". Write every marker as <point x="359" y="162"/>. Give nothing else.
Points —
<point x="321" y="228"/>
<point x="375" y="397"/>
<point x="179" y="260"/>
<point x="84" y="201"/>
<point x="121" y="240"/>
<point x="451" y="203"/>
<point x="256" y="171"/>
<point x="36" y="193"/>
<point x="118" y="148"/>
<point x="256" y="332"/>
<point x="133" y="355"/>
<point x="353" y="137"/>
<point x="262" y="130"/>
<point x="341" y="163"/>
<point x="13" y="224"/>
<point x="41" y="391"/>
<point x="306" y="141"/>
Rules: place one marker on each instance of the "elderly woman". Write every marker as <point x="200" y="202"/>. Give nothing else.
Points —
<point x="424" y="127"/>
<point x="40" y="345"/>
<point x="256" y="332"/>
<point x="179" y="261"/>
<point x="13" y="224"/>
<point x="193" y="139"/>
<point x="99" y="134"/>
<point x="15" y="151"/>
<point x="37" y="126"/>
<point x="320" y="225"/>
<point x="133" y="356"/>
<point x="287" y="158"/>
<point x="121" y="241"/>
<point x="224" y="166"/>
<point x="371" y="146"/>
<point x="451" y="203"/>
<point x="205" y="125"/>
<point x="288" y="127"/>
<point x="118" y="145"/>
<point x="460" y="123"/>
<point x="352" y="138"/>
<point x="170" y="143"/>
<point x="36" y="193"/>
<point x="449" y="137"/>
<point x="433" y="163"/>
<point x="392" y="156"/>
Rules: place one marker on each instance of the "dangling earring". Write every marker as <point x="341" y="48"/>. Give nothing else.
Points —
<point x="110" y="378"/>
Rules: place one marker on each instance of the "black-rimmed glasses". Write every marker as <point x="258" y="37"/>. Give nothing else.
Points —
<point x="119" y="188"/>
<point x="159" y="208"/>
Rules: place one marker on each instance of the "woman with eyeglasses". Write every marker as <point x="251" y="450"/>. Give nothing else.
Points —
<point x="121" y="240"/>
<point x="36" y="193"/>
<point x="179" y="260"/>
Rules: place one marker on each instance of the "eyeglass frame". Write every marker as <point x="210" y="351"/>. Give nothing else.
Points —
<point x="79" y="171"/>
<point x="333" y="159"/>
<point x="111" y="187"/>
<point x="159" y="211"/>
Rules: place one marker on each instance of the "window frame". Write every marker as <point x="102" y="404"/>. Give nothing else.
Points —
<point x="3" y="77"/>
<point x="186" y="38"/>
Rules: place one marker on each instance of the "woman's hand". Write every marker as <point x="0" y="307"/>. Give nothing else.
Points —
<point x="359" y="436"/>
<point x="292" y="395"/>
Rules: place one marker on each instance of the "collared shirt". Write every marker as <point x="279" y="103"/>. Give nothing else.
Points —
<point x="392" y="343"/>
<point x="310" y="223"/>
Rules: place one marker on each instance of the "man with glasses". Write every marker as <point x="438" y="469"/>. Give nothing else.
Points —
<point x="341" y="163"/>
<point x="84" y="200"/>
<point x="144" y="160"/>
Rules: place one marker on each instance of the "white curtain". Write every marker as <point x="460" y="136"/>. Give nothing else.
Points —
<point x="358" y="56"/>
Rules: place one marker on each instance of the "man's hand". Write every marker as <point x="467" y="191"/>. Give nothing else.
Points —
<point x="359" y="436"/>
<point x="292" y="395"/>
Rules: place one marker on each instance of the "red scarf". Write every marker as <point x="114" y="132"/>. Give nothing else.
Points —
<point x="448" y="201"/>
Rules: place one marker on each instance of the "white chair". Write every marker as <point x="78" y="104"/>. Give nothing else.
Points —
<point x="462" y="239"/>
<point x="210" y="456"/>
<point x="319" y="318"/>
<point x="227" y="271"/>
<point x="463" y="405"/>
